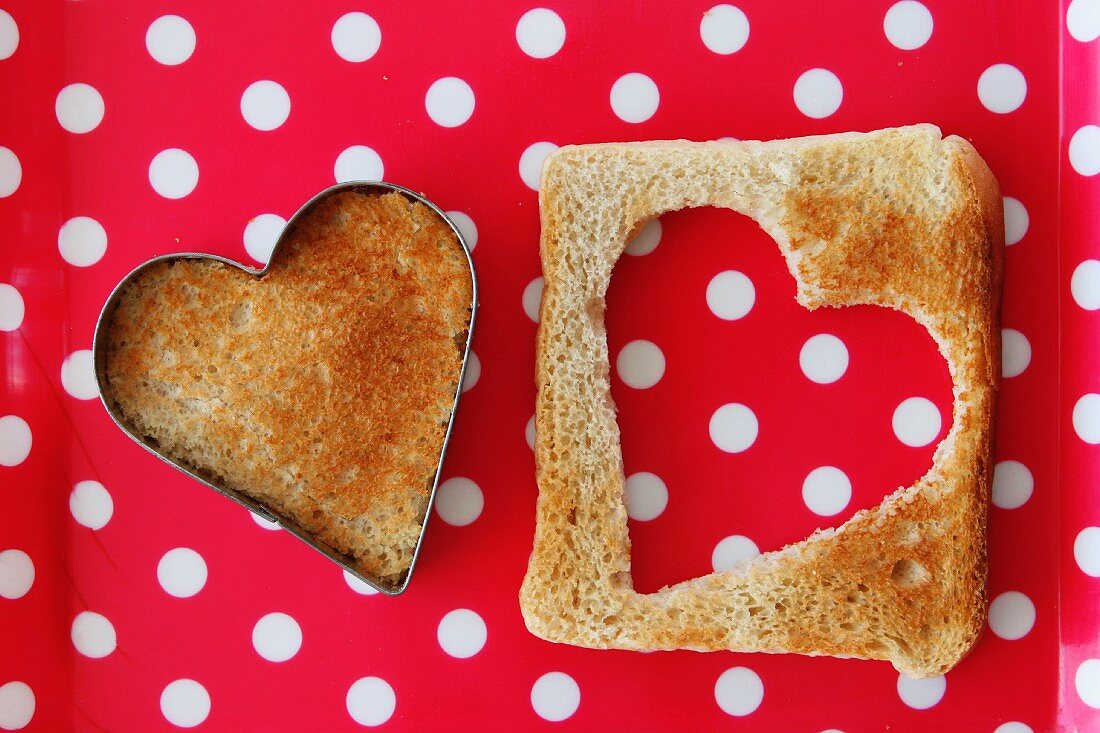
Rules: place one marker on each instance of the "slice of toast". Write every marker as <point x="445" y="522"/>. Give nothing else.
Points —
<point x="322" y="389"/>
<point x="901" y="218"/>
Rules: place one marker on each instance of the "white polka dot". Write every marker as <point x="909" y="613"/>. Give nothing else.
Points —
<point x="646" y="240"/>
<point x="1002" y="88"/>
<point x="738" y="691"/>
<point x="173" y="173"/>
<point x="82" y="241"/>
<point x="1013" y="727"/>
<point x="265" y="105"/>
<point x="459" y="501"/>
<point x="91" y="504"/>
<point x="260" y="235"/>
<point x="277" y="637"/>
<point x="356" y="37"/>
<point x="1083" y="20"/>
<point x="646" y="496"/>
<point x="1084" y="150"/>
<point x="1085" y="285"/>
<point x="634" y="97"/>
<point x="359" y="586"/>
<point x="170" y="40"/>
<point x="826" y="491"/>
<point x="461" y="633"/>
<point x="15" y="440"/>
<point x="823" y="358"/>
<point x="555" y="696"/>
<point x="529" y="433"/>
<point x="185" y="703"/>
<point x="641" y="364"/>
<point x="921" y="694"/>
<point x="530" y="163"/>
<point x="1015" y="352"/>
<point x="9" y="35"/>
<point x="1086" y="551"/>
<point x="1012" y="485"/>
<point x="733" y="428"/>
<point x="917" y="422"/>
<point x="731" y="551"/>
<point x="818" y="93"/>
<point x="449" y="101"/>
<point x="16" y="574"/>
<point x="93" y="635"/>
<point x="466" y="226"/>
<point x="371" y="701"/>
<point x="1087" y="682"/>
<point x="181" y="572"/>
<point x="908" y="25"/>
<point x="540" y="33"/>
<point x="358" y="163"/>
<point x="12" y="308"/>
<point x="1086" y="418"/>
<point x="264" y="523"/>
<point x="1011" y="615"/>
<point x="11" y="172"/>
<point x="1016" y="220"/>
<point x="724" y="29"/>
<point x="730" y="295"/>
<point x="532" y="298"/>
<point x="79" y="108"/>
<point x="78" y="375"/>
<point x="16" y="705"/>
<point x="473" y="372"/>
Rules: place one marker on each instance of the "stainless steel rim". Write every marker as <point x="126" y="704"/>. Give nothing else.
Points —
<point x="99" y="358"/>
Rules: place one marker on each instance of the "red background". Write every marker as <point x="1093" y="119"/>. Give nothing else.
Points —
<point x="659" y="297"/>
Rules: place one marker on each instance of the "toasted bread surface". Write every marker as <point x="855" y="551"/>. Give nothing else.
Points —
<point x="900" y="218"/>
<point x="322" y="389"/>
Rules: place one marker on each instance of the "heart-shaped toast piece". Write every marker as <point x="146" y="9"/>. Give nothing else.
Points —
<point x="320" y="389"/>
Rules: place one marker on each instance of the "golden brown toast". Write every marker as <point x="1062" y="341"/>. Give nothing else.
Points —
<point x="322" y="389"/>
<point x="900" y="218"/>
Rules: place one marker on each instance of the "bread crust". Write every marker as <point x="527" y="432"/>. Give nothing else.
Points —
<point x="322" y="389"/>
<point x="899" y="218"/>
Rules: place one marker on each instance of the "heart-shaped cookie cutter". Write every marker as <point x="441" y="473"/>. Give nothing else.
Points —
<point x="99" y="351"/>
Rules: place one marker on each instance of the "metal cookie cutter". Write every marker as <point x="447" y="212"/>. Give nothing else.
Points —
<point x="99" y="350"/>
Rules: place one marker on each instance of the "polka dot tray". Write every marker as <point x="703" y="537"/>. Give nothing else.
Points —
<point x="132" y="598"/>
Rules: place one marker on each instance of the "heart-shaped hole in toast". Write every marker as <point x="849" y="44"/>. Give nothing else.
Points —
<point x="749" y="353"/>
<point x="320" y="390"/>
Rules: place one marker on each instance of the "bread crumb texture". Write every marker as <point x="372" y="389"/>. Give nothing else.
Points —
<point x="322" y="389"/>
<point x="900" y="218"/>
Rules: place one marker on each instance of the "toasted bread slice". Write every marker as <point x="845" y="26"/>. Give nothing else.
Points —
<point x="900" y="218"/>
<point x="323" y="389"/>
